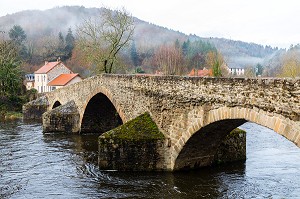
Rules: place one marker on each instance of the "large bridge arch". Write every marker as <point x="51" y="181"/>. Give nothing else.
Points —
<point x="194" y="149"/>
<point x="100" y="112"/>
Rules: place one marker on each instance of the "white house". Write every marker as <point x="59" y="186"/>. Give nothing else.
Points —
<point x="236" y="70"/>
<point x="47" y="73"/>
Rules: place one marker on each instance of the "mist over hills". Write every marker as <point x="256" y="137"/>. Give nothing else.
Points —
<point x="50" y="22"/>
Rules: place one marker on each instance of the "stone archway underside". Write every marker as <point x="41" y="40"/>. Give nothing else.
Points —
<point x="213" y="123"/>
<point x="100" y="115"/>
<point x="200" y="149"/>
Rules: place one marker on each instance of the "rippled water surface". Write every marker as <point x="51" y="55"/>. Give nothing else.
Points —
<point x="37" y="165"/>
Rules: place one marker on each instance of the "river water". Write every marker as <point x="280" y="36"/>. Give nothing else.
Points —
<point x="37" y="165"/>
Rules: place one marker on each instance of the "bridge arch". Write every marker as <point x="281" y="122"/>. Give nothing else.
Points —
<point x="100" y="112"/>
<point x="56" y="104"/>
<point x="196" y="147"/>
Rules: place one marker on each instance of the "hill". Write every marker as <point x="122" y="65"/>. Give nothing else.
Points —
<point x="38" y="24"/>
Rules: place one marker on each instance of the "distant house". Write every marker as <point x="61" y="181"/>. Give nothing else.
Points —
<point x="64" y="80"/>
<point x="201" y="73"/>
<point x="47" y="73"/>
<point x="236" y="70"/>
<point x="29" y="81"/>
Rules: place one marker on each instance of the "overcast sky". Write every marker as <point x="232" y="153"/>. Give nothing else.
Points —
<point x="267" y="22"/>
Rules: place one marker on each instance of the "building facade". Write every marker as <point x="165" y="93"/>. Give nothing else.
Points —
<point x="237" y="71"/>
<point x="47" y="73"/>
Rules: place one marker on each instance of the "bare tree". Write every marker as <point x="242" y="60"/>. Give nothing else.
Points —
<point x="291" y="64"/>
<point x="249" y="71"/>
<point x="102" y="39"/>
<point x="169" y="60"/>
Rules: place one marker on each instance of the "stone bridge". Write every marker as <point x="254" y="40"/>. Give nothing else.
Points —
<point x="194" y="114"/>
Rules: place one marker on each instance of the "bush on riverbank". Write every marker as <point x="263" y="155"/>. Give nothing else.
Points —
<point x="11" y="105"/>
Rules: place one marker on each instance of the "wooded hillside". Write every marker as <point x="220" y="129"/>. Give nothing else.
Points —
<point x="42" y="26"/>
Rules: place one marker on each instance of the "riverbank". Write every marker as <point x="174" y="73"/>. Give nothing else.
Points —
<point x="10" y="115"/>
<point x="11" y="105"/>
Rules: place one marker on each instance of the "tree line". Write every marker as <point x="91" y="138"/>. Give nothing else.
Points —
<point x="283" y="63"/>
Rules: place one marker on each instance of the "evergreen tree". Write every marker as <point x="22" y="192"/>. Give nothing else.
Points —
<point x="217" y="69"/>
<point x="259" y="69"/>
<point x="18" y="36"/>
<point x="10" y="73"/>
<point x="134" y="55"/>
<point x="177" y="44"/>
<point x="70" y="42"/>
<point x="61" y="47"/>
<point x="186" y="47"/>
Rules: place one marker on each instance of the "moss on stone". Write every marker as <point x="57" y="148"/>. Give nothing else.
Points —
<point x="140" y="128"/>
<point x="236" y="132"/>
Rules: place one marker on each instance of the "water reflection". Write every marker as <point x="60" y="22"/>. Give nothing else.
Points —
<point x="37" y="165"/>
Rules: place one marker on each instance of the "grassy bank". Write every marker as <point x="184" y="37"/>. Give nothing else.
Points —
<point x="11" y="115"/>
<point x="11" y="105"/>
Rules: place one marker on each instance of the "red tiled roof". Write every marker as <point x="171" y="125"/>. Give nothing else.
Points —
<point x="47" y="67"/>
<point x="201" y="73"/>
<point x="62" y="79"/>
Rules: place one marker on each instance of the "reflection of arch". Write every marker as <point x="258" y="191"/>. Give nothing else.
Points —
<point x="56" y="104"/>
<point x="100" y="115"/>
<point x="197" y="146"/>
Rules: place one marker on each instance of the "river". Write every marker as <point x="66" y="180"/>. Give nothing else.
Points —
<point x="37" y="165"/>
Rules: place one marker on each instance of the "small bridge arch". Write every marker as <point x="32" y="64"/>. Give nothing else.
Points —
<point x="197" y="146"/>
<point x="56" y="104"/>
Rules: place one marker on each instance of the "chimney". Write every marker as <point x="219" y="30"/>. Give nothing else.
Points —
<point x="58" y="59"/>
<point x="46" y="62"/>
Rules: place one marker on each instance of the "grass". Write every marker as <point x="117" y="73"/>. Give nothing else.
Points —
<point x="10" y="115"/>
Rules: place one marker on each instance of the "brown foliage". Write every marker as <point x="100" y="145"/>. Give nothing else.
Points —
<point x="169" y="60"/>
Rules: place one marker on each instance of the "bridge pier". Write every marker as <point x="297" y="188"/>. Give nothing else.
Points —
<point x="64" y="118"/>
<point x="137" y="145"/>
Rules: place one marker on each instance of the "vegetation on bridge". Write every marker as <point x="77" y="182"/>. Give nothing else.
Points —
<point x="140" y="128"/>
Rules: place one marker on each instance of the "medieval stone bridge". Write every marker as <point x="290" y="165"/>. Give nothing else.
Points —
<point x="194" y="114"/>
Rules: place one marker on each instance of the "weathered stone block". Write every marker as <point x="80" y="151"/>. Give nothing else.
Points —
<point x="64" y="118"/>
<point x="233" y="148"/>
<point x="33" y="110"/>
<point x="138" y="145"/>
